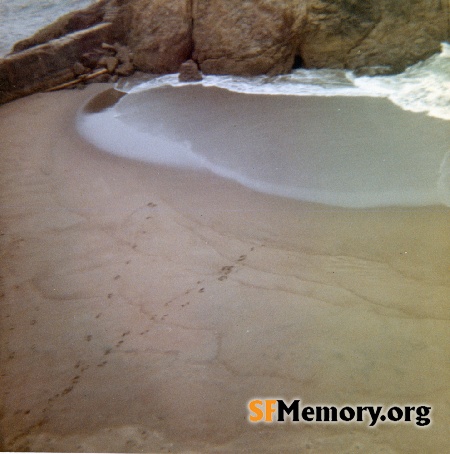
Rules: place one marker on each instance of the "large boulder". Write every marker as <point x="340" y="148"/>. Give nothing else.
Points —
<point x="246" y="37"/>
<point x="189" y="72"/>
<point x="160" y="33"/>
<point x="385" y="35"/>
<point x="241" y="37"/>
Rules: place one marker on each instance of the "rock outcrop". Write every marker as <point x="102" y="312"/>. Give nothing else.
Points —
<point x="246" y="37"/>
<point x="47" y="65"/>
<point x="242" y="37"/>
<point x="69" y="23"/>
<point x="189" y="72"/>
<point x="385" y="36"/>
<point x="160" y="33"/>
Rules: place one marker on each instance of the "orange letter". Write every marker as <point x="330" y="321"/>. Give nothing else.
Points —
<point x="269" y="409"/>
<point x="253" y="407"/>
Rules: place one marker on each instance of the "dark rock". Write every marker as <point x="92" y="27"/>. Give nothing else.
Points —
<point x="110" y="63"/>
<point x="123" y="53"/>
<point x="109" y="47"/>
<point x="90" y="59"/>
<point x="47" y="65"/>
<point x="125" y="69"/>
<point x="189" y="72"/>
<point x="79" y="68"/>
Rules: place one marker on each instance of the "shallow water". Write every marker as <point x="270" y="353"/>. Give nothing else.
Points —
<point x="344" y="151"/>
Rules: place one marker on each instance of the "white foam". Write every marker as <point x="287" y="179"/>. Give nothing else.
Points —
<point x="424" y="87"/>
<point x="301" y="82"/>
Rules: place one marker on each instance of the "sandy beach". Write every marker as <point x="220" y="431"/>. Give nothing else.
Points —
<point x="142" y="307"/>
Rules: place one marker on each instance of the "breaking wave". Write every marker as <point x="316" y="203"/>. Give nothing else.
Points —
<point x="423" y="87"/>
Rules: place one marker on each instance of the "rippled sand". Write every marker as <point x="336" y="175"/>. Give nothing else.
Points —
<point x="142" y="307"/>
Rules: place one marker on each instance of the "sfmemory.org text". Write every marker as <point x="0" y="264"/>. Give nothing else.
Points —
<point x="277" y="410"/>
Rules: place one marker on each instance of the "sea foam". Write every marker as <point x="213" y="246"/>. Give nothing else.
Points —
<point x="423" y="87"/>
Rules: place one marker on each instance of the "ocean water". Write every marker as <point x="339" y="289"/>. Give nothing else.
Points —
<point x="21" y="18"/>
<point x="423" y="89"/>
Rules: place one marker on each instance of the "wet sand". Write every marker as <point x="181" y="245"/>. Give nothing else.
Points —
<point x="353" y="152"/>
<point x="142" y="307"/>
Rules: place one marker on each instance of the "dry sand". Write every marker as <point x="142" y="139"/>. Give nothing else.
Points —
<point x="142" y="307"/>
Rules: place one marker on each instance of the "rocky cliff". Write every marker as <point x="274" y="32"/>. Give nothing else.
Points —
<point x="242" y="37"/>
